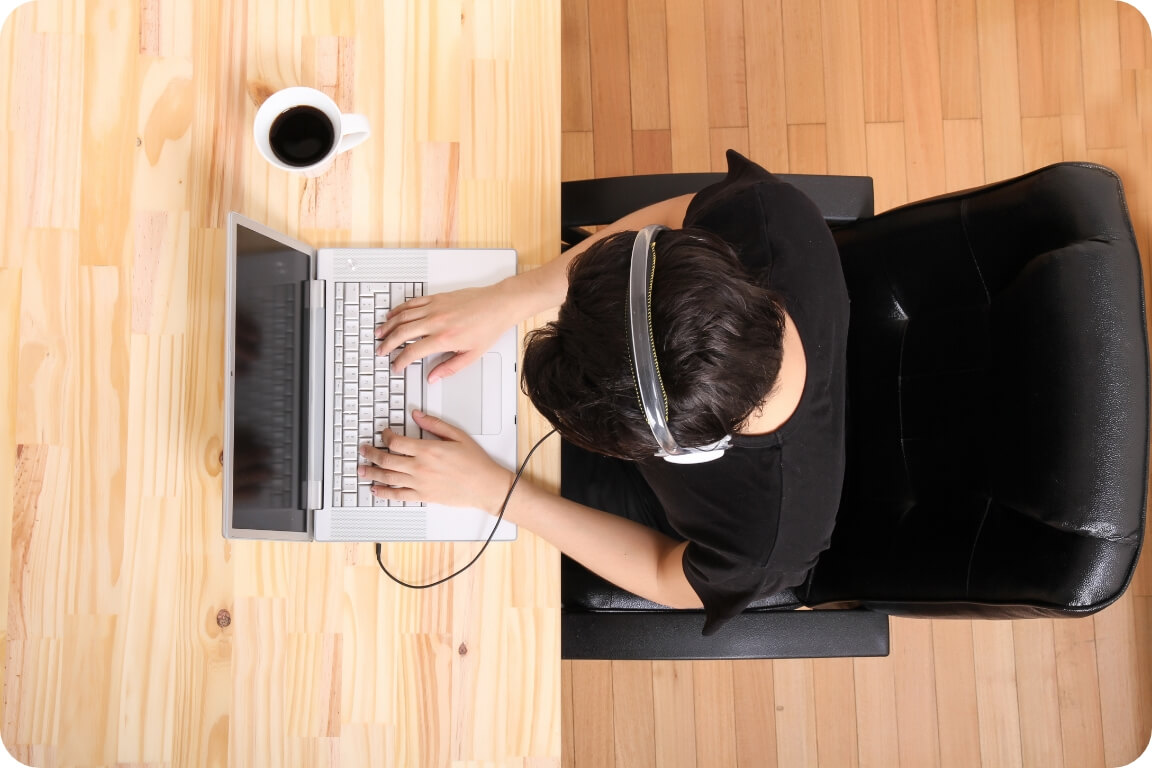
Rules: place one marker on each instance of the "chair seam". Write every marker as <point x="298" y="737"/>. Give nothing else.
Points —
<point x="900" y="401"/>
<point x="972" y="554"/>
<point x="971" y="250"/>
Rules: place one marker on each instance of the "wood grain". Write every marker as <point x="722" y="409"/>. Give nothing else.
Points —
<point x="999" y="92"/>
<point x="886" y="151"/>
<point x="612" y="119"/>
<point x="1037" y="693"/>
<point x="880" y="61"/>
<point x="632" y="713"/>
<point x="876" y="720"/>
<point x="754" y="702"/>
<point x="836" y="730"/>
<point x="712" y="690"/>
<point x="795" y="696"/>
<point x="954" y="667"/>
<point x="844" y="94"/>
<point x="993" y="650"/>
<point x="687" y="86"/>
<point x="724" y="44"/>
<point x="923" y="111"/>
<point x="673" y="703"/>
<point x="764" y="58"/>
<point x="576" y="81"/>
<point x="964" y="162"/>
<point x="648" y="65"/>
<point x="652" y="151"/>
<point x="915" y="680"/>
<point x="135" y="634"/>
<point x="1100" y="34"/>
<point x="960" y="87"/>
<point x="594" y="737"/>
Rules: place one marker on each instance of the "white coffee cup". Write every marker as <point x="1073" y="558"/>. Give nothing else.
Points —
<point x="309" y="130"/>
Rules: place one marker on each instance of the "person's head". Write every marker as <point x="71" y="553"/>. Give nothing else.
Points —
<point x="718" y="338"/>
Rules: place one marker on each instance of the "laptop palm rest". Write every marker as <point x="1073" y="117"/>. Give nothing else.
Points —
<point x="470" y="399"/>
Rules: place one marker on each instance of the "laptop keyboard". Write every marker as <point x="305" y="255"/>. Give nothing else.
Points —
<point x="367" y="396"/>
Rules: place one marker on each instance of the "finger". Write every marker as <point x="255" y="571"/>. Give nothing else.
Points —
<point x="395" y="494"/>
<point x="398" y="317"/>
<point x="391" y="339"/>
<point x="417" y="350"/>
<point x="413" y="303"/>
<point x="385" y="459"/>
<point x="398" y="444"/>
<point x="385" y="476"/>
<point x="438" y="427"/>
<point x="452" y="366"/>
<point x="389" y="346"/>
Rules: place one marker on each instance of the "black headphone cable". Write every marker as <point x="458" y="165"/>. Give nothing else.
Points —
<point x="488" y="541"/>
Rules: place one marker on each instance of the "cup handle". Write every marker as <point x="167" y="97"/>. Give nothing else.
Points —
<point x="354" y="131"/>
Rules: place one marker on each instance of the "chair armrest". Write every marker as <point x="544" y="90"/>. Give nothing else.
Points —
<point x="841" y="199"/>
<point x="638" y="635"/>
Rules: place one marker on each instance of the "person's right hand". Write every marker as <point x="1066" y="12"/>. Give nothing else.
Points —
<point x="466" y="322"/>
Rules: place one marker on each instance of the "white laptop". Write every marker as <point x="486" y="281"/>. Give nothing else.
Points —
<point x="304" y="388"/>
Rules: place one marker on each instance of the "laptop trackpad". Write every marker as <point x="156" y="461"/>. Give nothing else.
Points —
<point x="471" y="398"/>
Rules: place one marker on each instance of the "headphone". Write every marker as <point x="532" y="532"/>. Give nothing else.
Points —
<point x="646" y="368"/>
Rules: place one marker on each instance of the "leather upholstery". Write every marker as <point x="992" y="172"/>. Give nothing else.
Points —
<point x="998" y="423"/>
<point x="998" y="403"/>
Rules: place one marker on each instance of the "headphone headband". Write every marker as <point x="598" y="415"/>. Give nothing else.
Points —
<point x="646" y="368"/>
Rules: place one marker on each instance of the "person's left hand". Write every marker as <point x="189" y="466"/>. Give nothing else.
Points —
<point x="453" y="471"/>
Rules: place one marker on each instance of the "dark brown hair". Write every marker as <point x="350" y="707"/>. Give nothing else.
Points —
<point x="718" y="336"/>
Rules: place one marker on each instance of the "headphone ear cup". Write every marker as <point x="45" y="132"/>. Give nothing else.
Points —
<point x="694" y="458"/>
<point x="701" y="455"/>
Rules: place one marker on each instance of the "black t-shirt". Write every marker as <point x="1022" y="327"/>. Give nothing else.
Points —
<point x="758" y="518"/>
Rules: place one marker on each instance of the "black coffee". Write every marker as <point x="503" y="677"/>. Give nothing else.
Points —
<point x="301" y="136"/>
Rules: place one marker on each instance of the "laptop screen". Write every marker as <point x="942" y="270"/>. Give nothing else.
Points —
<point x="270" y="397"/>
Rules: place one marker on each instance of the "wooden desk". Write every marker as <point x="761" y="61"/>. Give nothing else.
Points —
<point x="136" y="634"/>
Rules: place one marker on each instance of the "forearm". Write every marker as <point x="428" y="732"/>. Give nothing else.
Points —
<point x="546" y="286"/>
<point x="634" y="557"/>
<point x="456" y="471"/>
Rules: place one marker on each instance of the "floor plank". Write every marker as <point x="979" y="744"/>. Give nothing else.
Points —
<point x="593" y="725"/>
<point x="994" y="652"/>
<point x="648" y="65"/>
<point x="674" y="714"/>
<point x="1081" y="730"/>
<point x="754" y="705"/>
<point x="916" y="710"/>
<point x="1037" y="694"/>
<point x="794" y="692"/>
<point x="958" y="715"/>
<point x="803" y="50"/>
<point x="834" y="681"/>
<point x="712" y="690"/>
<point x="633" y="713"/>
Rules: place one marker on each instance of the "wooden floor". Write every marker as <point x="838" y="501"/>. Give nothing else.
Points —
<point x="925" y="96"/>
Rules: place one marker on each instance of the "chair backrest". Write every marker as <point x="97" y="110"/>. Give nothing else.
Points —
<point x="841" y="199"/>
<point x="998" y="403"/>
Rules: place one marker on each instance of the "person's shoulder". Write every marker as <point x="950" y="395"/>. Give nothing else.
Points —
<point x="742" y="177"/>
<point x="748" y="189"/>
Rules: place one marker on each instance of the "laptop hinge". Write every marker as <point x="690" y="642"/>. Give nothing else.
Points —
<point x="312" y="492"/>
<point x="314" y="294"/>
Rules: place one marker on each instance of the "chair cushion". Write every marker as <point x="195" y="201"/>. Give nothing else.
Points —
<point x="998" y="403"/>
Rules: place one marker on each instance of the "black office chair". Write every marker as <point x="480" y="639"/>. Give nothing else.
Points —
<point x="998" y="429"/>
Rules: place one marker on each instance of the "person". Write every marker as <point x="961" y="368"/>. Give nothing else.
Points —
<point x="749" y="317"/>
